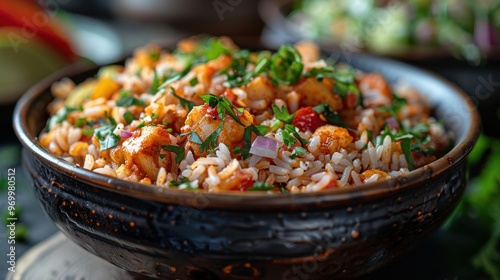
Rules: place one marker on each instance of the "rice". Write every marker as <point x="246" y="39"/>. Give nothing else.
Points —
<point x="175" y="136"/>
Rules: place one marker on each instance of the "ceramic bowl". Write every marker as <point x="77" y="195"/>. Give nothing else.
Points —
<point x="173" y="234"/>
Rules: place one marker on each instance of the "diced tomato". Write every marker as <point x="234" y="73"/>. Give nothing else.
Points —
<point x="306" y="119"/>
<point x="210" y="112"/>
<point x="229" y="95"/>
<point x="246" y="184"/>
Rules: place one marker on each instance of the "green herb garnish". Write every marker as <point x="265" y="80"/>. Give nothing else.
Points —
<point x="80" y="122"/>
<point x="104" y="134"/>
<point x="331" y="116"/>
<point x="183" y="183"/>
<point x="127" y="101"/>
<point x="193" y="81"/>
<point x="261" y="186"/>
<point x="223" y="106"/>
<point x="60" y="116"/>
<point x="210" y="143"/>
<point x="195" y="138"/>
<point x="128" y="117"/>
<point x="141" y="125"/>
<point x="283" y="114"/>
<point x="184" y="102"/>
<point x="177" y="150"/>
<point x="406" y="147"/>
<point x="155" y="84"/>
<point x="259" y="130"/>
<point x="291" y="129"/>
<point x="286" y="65"/>
<point x="297" y="152"/>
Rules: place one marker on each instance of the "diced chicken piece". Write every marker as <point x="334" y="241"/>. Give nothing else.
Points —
<point x="143" y="149"/>
<point x="329" y="139"/>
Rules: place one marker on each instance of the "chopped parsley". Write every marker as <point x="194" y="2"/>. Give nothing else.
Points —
<point x="213" y="48"/>
<point x="223" y="106"/>
<point x="406" y="147"/>
<point x="183" y="183"/>
<point x="195" y="138"/>
<point x="155" y="85"/>
<point x="154" y="55"/>
<point x="184" y="102"/>
<point x="141" y="125"/>
<point x="394" y="107"/>
<point x="177" y="150"/>
<point x="290" y="136"/>
<point x="128" y="117"/>
<point x="193" y="81"/>
<point x="331" y="116"/>
<point x="80" y="122"/>
<point x="297" y="152"/>
<point x="210" y="143"/>
<point x="283" y="114"/>
<point x="261" y="186"/>
<point x="259" y="130"/>
<point x="60" y="116"/>
<point x="286" y="65"/>
<point x="87" y="132"/>
<point x="104" y="134"/>
<point x="127" y="101"/>
<point x="237" y="73"/>
<point x="343" y="89"/>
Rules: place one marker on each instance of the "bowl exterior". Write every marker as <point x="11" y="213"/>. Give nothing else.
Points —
<point x="176" y="241"/>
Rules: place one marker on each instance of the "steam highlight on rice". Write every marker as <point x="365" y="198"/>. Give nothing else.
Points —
<point x="213" y="117"/>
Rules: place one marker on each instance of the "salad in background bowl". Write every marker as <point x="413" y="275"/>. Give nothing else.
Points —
<point x="407" y="29"/>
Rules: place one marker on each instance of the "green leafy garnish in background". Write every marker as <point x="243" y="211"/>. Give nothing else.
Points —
<point x="482" y="200"/>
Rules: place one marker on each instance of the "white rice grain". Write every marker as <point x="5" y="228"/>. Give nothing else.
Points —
<point x="253" y="160"/>
<point x="365" y="159"/>
<point x="162" y="177"/>
<point x="224" y="153"/>
<point x="402" y="161"/>
<point x="270" y="179"/>
<point x="345" y="176"/>
<point x="197" y="172"/>
<point x="282" y="179"/>
<point x="293" y="183"/>
<point x="297" y="172"/>
<point x="212" y="179"/>
<point x="355" y="178"/>
<point x="336" y="157"/>
<point x="345" y="162"/>
<point x="278" y="170"/>
<point x="313" y="144"/>
<point x="74" y="134"/>
<point x="281" y="163"/>
<point x="229" y="170"/>
<point x="105" y="171"/>
<point x="323" y="183"/>
<point x="372" y="178"/>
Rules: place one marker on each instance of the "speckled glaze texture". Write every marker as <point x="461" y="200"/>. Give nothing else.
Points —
<point x="173" y="234"/>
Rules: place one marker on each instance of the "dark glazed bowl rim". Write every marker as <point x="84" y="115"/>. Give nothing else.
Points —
<point x="254" y="201"/>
